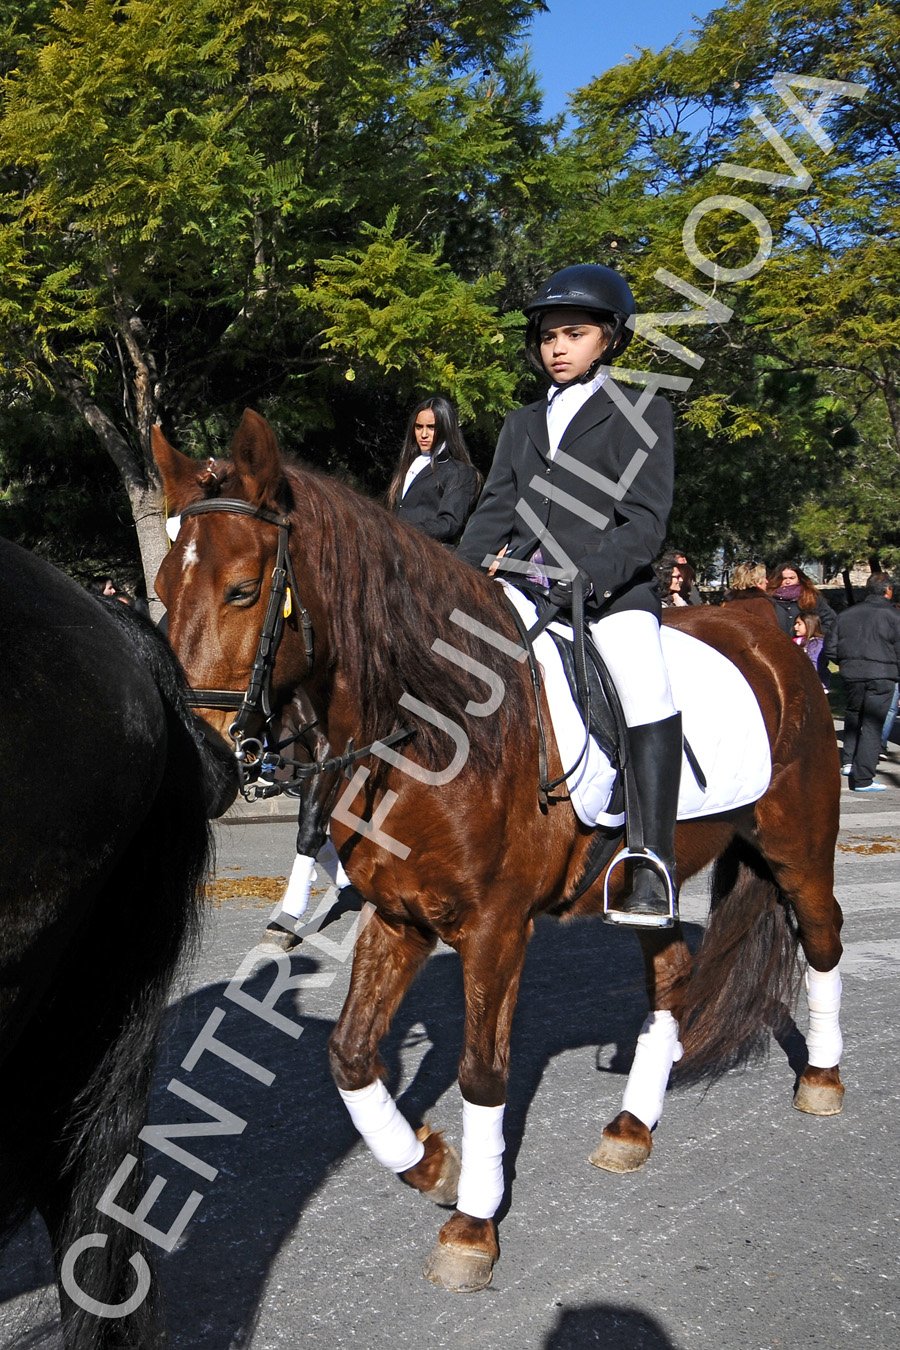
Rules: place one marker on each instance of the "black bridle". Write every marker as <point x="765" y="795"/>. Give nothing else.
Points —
<point x="256" y="701"/>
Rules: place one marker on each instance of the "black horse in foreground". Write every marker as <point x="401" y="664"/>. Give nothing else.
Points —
<point x="104" y="848"/>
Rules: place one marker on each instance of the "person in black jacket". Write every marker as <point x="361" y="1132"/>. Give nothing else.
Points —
<point x="868" y="653"/>
<point x="435" y="484"/>
<point x="581" y="487"/>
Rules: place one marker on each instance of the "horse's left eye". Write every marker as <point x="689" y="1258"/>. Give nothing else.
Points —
<point x="244" y="593"/>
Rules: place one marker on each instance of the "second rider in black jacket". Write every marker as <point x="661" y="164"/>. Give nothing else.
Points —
<point x="435" y="484"/>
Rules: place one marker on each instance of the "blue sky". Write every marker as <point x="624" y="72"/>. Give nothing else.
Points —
<point x="579" y="39"/>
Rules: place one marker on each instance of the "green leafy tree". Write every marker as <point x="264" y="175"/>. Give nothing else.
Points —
<point x="177" y="177"/>
<point x="793" y="365"/>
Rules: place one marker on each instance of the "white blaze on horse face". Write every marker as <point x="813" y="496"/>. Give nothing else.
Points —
<point x="191" y="557"/>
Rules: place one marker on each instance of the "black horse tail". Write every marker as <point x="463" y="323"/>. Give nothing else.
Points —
<point x="144" y="923"/>
<point x="746" y="976"/>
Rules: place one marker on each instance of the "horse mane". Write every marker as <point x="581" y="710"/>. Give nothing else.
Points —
<point x="393" y="591"/>
<point x="389" y="593"/>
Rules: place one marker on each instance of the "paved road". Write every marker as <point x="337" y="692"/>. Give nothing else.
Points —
<point x="752" y="1227"/>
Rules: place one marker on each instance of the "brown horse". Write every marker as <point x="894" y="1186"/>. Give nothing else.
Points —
<point x="446" y="835"/>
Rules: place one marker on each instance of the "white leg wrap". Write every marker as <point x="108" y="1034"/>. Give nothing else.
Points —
<point x="328" y="857"/>
<point x="481" y="1175"/>
<point x="390" y="1137"/>
<point x="658" y="1048"/>
<point x="296" y="897"/>
<point x="823" y="1039"/>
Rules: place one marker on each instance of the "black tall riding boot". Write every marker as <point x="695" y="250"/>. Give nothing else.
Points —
<point x="655" y="751"/>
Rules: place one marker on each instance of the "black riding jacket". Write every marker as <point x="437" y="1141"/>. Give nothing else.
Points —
<point x="611" y="527"/>
<point x="440" y="498"/>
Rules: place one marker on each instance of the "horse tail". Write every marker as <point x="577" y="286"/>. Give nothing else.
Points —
<point x="746" y="976"/>
<point x="145" y="921"/>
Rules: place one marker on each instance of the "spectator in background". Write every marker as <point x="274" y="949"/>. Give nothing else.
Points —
<point x="868" y="653"/>
<point x="106" y="587"/>
<point x="435" y="485"/>
<point x="675" y="582"/>
<point x="808" y="635"/>
<point x="689" y="593"/>
<point x="889" y="722"/>
<point x="748" y="591"/>
<point x="794" y="593"/>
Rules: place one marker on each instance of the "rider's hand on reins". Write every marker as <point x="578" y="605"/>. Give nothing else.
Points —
<point x="562" y="593"/>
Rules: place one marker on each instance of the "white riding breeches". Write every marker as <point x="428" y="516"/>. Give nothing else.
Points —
<point x="630" y="646"/>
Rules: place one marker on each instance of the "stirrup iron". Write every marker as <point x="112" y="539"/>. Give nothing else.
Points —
<point x="632" y="920"/>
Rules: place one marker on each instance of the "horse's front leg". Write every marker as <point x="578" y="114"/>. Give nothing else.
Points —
<point x="467" y="1248"/>
<point x="316" y="799"/>
<point x="385" y="961"/>
<point x="627" y="1140"/>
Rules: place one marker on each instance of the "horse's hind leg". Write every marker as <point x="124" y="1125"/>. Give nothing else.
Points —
<point x="809" y="888"/>
<point x="627" y="1141"/>
<point x="464" y="1255"/>
<point x="385" y="962"/>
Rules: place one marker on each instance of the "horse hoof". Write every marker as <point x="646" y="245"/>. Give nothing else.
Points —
<point x="436" y="1175"/>
<point x="820" y="1092"/>
<point x="624" y="1146"/>
<point x="444" y="1190"/>
<point x="618" y="1155"/>
<point x="462" y="1269"/>
<point x="464" y="1254"/>
<point x="280" y="937"/>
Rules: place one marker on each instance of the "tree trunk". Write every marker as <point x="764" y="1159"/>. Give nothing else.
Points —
<point x="889" y="390"/>
<point x="141" y="482"/>
<point x="848" y="586"/>
<point x="152" y="541"/>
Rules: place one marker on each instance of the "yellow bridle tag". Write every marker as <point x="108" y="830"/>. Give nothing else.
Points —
<point x="288" y="605"/>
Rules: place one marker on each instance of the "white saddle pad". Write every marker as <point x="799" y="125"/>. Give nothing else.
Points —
<point x="720" y="716"/>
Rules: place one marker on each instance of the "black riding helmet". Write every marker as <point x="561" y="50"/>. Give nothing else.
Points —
<point x="586" y="286"/>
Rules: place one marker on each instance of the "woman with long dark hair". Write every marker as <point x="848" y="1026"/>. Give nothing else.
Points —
<point x="435" y="485"/>
<point x="793" y="594"/>
<point x="675" y="583"/>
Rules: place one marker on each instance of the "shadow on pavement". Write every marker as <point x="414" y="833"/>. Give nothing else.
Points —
<point x="582" y="986"/>
<point x="609" y="1326"/>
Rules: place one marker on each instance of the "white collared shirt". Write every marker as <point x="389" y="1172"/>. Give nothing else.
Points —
<point x="419" y="463"/>
<point x="566" y="404"/>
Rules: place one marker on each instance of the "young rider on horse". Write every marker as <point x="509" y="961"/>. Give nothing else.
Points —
<point x="582" y="480"/>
